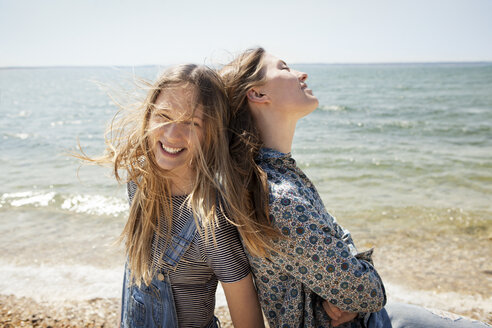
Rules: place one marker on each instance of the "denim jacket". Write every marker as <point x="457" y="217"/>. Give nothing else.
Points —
<point x="153" y="306"/>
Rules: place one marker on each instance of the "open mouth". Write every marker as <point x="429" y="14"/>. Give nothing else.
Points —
<point x="304" y="88"/>
<point x="171" y="150"/>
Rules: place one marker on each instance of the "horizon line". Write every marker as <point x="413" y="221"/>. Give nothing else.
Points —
<point x="295" y="63"/>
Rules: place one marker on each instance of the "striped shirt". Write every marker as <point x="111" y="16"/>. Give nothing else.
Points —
<point x="194" y="281"/>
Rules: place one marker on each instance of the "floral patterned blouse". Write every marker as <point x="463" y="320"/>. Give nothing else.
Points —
<point x="316" y="260"/>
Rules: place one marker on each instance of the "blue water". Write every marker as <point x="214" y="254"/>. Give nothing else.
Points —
<point x="392" y="135"/>
<point x="388" y="142"/>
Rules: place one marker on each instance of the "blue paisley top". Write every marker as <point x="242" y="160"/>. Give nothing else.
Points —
<point x="316" y="260"/>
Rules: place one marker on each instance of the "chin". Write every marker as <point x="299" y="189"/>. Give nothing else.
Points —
<point x="315" y="104"/>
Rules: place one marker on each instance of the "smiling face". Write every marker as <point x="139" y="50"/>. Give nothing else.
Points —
<point x="286" y="88"/>
<point x="176" y="130"/>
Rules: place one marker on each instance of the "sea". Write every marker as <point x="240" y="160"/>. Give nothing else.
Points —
<point x="400" y="153"/>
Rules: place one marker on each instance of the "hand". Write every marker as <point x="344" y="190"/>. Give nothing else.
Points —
<point x="337" y="316"/>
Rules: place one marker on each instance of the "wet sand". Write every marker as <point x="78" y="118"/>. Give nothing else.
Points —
<point x="431" y="260"/>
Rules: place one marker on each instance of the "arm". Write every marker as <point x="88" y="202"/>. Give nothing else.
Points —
<point x="315" y="252"/>
<point x="228" y="260"/>
<point x="243" y="303"/>
<point x="338" y="316"/>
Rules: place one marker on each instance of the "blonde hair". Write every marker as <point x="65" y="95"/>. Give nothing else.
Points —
<point x="240" y="75"/>
<point x="217" y="185"/>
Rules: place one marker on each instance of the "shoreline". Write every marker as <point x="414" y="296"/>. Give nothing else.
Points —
<point x="104" y="312"/>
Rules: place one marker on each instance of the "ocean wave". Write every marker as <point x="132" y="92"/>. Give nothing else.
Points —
<point x="89" y="204"/>
<point x="21" y="136"/>
<point x="56" y="123"/>
<point x="95" y="205"/>
<point x="61" y="282"/>
<point x="403" y="124"/>
<point x="27" y="198"/>
<point x="67" y="282"/>
<point x="22" y="113"/>
<point x="388" y="126"/>
<point x="334" y="108"/>
<point x="460" y="130"/>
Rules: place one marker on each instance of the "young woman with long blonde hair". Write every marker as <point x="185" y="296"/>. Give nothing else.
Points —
<point x="183" y="194"/>
<point x="311" y="274"/>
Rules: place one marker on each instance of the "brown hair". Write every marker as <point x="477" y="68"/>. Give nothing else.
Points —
<point x="243" y="73"/>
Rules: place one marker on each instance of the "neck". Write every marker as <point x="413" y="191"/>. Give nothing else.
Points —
<point x="277" y="132"/>
<point x="182" y="186"/>
<point x="181" y="190"/>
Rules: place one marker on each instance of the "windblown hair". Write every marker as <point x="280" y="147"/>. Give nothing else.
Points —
<point x="216" y="187"/>
<point x="243" y="73"/>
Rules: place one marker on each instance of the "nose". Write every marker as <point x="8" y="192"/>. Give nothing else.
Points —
<point x="173" y="131"/>
<point x="302" y="76"/>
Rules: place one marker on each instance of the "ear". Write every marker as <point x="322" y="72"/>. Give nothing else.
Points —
<point x="255" y="96"/>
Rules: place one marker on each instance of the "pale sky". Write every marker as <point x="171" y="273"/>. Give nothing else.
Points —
<point x="146" y="32"/>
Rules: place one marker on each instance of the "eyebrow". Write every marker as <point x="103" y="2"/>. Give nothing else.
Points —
<point x="282" y="62"/>
<point x="166" y="111"/>
<point x="162" y="111"/>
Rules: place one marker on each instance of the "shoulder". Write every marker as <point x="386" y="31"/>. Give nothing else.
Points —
<point x="225" y="253"/>
<point x="287" y="193"/>
<point x="282" y="180"/>
<point x="223" y="230"/>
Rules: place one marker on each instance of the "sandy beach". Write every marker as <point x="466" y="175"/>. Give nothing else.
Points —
<point x="439" y="266"/>
<point x="446" y="269"/>
<point x="412" y="278"/>
<point x="25" y="312"/>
